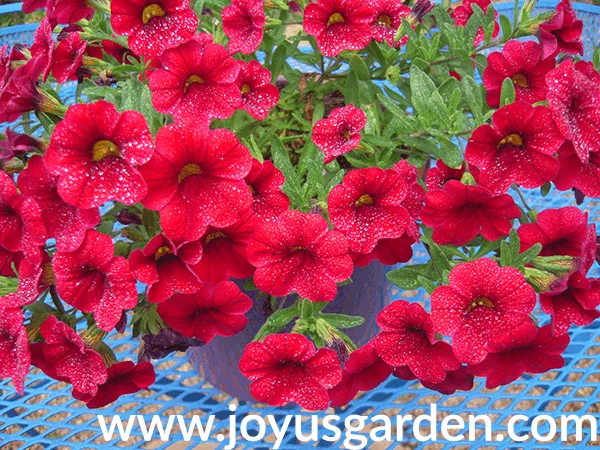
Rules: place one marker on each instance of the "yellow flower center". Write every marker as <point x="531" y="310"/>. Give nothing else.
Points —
<point x="347" y="135"/>
<point x="364" y="199"/>
<point x="245" y="89"/>
<point x="104" y="149"/>
<point x="384" y="20"/>
<point x="335" y="18"/>
<point x="161" y="252"/>
<point x="511" y="139"/>
<point x="520" y="80"/>
<point x="485" y="302"/>
<point x="189" y="169"/>
<point x="212" y="236"/>
<point x="152" y="11"/>
<point x="193" y="80"/>
<point x="297" y="249"/>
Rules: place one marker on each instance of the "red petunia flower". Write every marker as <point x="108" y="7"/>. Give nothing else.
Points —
<point x="7" y="259"/>
<point x="562" y="33"/>
<point x="461" y="15"/>
<point x="243" y="23"/>
<point x="68" y="58"/>
<point x="287" y="368"/>
<point x="340" y="132"/>
<point x="197" y="79"/>
<point x="258" y="94"/>
<point x="482" y="302"/>
<point x="437" y="176"/>
<point x="123" y="378"/>
<point x="14" y="348"/>
<point x="265" y="181"/>
<point x="43" y="46"/>
<point x="574" y="100"/>
<point x="587" y="68"/>
<point x="94" y="151"/>
<point x="225" y="252"/>
<point x="527" y="349"/>
<point x="214" y="310"/>
<point x="387" y="251"/>
<point x="17" y="144"/>
<point x="165" y="268"/>
<point x="34" y="278"/>
<point x="367" y="207"/>
<point x="153" y="26"/>
<point x="65" y="357"/>
<point x="386" y="21"/>
<point x="521" y="62"/>
<point x="92" y="279"/>
<point x="458" y="213"/>
<point x="339" y="25"/>
<point x="196" y="179"/>
<point x="299" y="252"/>
<point x="363" y="371"/>
<point x="518" y="147"/>
<point x="413" y="202"/>
<point x="65" y="223"/>
<point x="409" y="339"/>
<point x="456" y="380"/>
<point x="577" y="305"/>
<point x="68" y="11"/>
<point x="575" y="174"/>
<point x="21" y="225"/>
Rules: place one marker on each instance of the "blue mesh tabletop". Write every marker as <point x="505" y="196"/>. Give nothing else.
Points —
<point x="47" y="417"/>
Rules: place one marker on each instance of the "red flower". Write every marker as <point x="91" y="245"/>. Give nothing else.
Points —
<point x="574" y="100"/>
<point x="68" y="11"/>
<point x="165" y="268"/>
<point x="562" y="33"/>
<point x="265" y="181"/>
<point x="33" y="280"/>
<point x="363" y="371"/>
<point x="17" y="144"/>
<point x="575" y="174"/>
<point x="64" y="356"/>
<point x="521" y="62"/>
<point x="340" y="132"/>
<point x="65" y="223"/>
<point x="68" y="57"/>
<point x="459" y="379"/>
<point x="93" y="280"/>
<point x="258" y="94"/>
<point x="458" y="213"/>
<point x="386" y="21"/>
<point x="413" y="201"/>
<point x="527" y="349"/>
<point x="94" y="151"/>
<point x="461" y="15"/>
<point x="14" y="348"/>
<point x="196" y="179"/>
<point x="437" y="176"/>
<point x="299" y="252"/>
<point x="243" y="22"/>
<point x="577" y="305"/>
<point x="197" y="80"/>
<point x="482" y="302"/>
<point x="212" y="311"/>
<point x="409" y="339"/>
<point x="122" y="379"/>
<point x="7" y="259"/>
<point x="43" y="46"/>
<point x="286" y="368"/>
<point x="387" y="251"/>
<point x="518" y="147"/>
<point x="339" y="25"/>
<point x="21" y="225"/>
<point x="367" y="207"/>
<point x="153" y="26"/>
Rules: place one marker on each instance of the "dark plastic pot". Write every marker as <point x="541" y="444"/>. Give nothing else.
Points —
<point x="368" y="294"/>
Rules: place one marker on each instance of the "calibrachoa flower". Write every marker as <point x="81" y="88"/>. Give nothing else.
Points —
<point x="34" y="278"/>
<point x="122" y="378"/>
<point x="386" y="21"/>
<point x="575" y="174"/>
<point x="527" y="349"/>
<point x="518" y="147"/>
<point x="94" y="151"/>
<point x="65" y="223"/>
<point x="299" y="252"/>
<point x="409" y="339"/>
<point x="521" y="62"/>
<point x="367" y="207"/>
<point x="7" y="259"/>
<point x="265" y="181"/>
<point x="243" y="22"/>
<point x="482" y="302"/>
<point x="339" y="25"/>
<point x="340" y="132"/>
<point x="437" y="176"/>
<point x="92" y="279"/>
<point x="65" y="357"/>
<point x="258" y="94"/>
<point x="363" y="371"/>
<point x="387" y="251"/>
<point x="197" y="79"/>
<point x="574" y="100"/>
<point x="461" y="15"/>
<point x="196" y="179"/>
<point x="152" y="26"/>
<point x="44" y="46"/>
<point x="165" y="268"/>
<point x="225" y="252"/>
<point x="459" y="379"/>
<point x="562" y="33"/>
<point x="287" y="368"/>
<point x="17" y="144"/>
<point x="68" y="58"/>
<point x="413" y="202"/>
<point x="214" y="310"/>
<point x="14" y="347"/>
<point x="61" y="11"/>
<point x="577" y="305"/>
<point x="458" y="213"/>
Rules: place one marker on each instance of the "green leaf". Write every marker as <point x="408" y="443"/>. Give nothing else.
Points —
<point x="151" y="222"/>
<point x="528" y="255"/>
<point x="292" y="187"/>
<point x="352" y="90"/>
<point x="407" y="276"/>
<point x="277" y="322"/>
<point x="426" y="99"/>
<point x="505" y="26"/>
<point x="507" y="95"/>
<point x="439" y="258"/>
<point x="474" y="97"/>
<point x="306" y="309"/>
<point x="359" y="67"/>
<point x="342" y="321"/>
<point x="450" y="153"/>
<point x="278" y="61"/>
